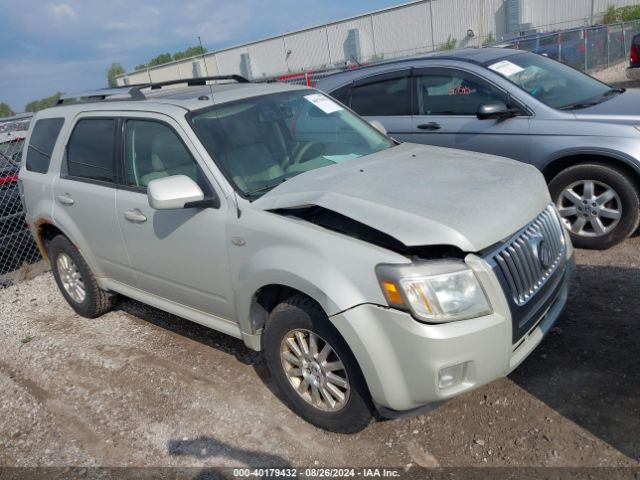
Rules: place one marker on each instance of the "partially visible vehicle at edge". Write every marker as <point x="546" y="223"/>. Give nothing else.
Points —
<point x="633" y="71"/>
<point x="581" y="133"/>
<point x="373" y="275"/>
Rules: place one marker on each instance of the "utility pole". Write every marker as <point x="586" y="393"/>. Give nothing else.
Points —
<point x="433" y="42"/>
<point x="592" y="7"/>
<point x="481" y="25"/>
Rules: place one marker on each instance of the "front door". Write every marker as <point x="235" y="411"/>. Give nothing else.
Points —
<point x="179" y="255"/>
<point x="447" y="101"/>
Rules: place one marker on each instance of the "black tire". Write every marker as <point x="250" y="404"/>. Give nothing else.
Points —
<point x="96" y="301"/>
<point x="615" y="179"/>
<point x="300" y="312"/>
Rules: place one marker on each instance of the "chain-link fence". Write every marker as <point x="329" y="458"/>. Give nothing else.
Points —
<point x="17" y="247"/>
<point x="588" y="49"/>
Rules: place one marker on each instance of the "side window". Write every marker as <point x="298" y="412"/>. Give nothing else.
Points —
<point x="91" y="150"/>
<point x="383" y="98"/>
<point x="154" y="150"/>
<point x="43" y="139"/>
<point x="454" y="92"/>
<point x="342" y="94"/>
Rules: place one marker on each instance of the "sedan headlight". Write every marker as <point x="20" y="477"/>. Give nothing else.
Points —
<point x="437" y="291"/>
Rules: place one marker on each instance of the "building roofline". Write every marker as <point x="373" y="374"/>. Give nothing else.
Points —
<point x="280" y="35"/>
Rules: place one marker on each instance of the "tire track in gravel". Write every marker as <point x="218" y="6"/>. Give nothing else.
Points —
<point x="68" y="422"/>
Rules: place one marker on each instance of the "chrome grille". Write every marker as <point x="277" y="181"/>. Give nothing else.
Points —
<point x="531" y="257"/>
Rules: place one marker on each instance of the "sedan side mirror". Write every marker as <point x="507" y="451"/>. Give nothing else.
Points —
<point x="496" y="110"/>
<point x="378" y="126"/>
<point x="176" y="191"/>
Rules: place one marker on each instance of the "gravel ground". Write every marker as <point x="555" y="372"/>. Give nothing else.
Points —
<point x="144" y="388"/>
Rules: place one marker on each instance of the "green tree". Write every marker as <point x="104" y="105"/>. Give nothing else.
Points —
<point x="5" y="110"/>
<point x="160" y="59"/>
<point x="167" y="57"/>
<point x="43" y="103"/>
<point x="490" y="39"/>
<point x="113" y="72"/>
<point x="190" y="52"/>
<point x="610" y="15"/>
<point x="629" y="13"/>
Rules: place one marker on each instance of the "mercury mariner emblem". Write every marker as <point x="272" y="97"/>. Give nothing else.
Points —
<point x="542" y="251"/>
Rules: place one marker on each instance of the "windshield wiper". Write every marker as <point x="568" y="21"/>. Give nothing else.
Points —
<point x="578" y="105"/>
<point x="600" y="99"/>
<point x="611" y="91"/>
<point x="265" y="188"/>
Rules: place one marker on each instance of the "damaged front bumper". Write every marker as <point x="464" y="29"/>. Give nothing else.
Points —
<point x="403" y="360"/>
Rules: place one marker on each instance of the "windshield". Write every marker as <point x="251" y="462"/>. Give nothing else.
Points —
<point x="262" y="141"/>
<point x="551" y="82"/>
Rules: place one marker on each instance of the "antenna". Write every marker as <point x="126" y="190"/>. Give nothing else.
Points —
<point x="206" y="69"/>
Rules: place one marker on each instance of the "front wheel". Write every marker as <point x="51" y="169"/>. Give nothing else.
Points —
<point x="598" y="204"/>
<point x="314" y="369"/>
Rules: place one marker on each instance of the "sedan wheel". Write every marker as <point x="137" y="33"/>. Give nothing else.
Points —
<point x="598" y="203"/>
<point x="590" y="208"/>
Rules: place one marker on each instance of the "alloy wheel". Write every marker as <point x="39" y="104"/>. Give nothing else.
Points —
<point x="315" y="370"/>
<point x="71" y="278"/>
<point x="589" y="208"/>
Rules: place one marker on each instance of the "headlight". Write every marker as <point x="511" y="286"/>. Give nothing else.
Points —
<point x="437" y="291"/>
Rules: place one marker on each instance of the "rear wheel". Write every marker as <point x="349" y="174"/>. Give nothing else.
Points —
<point x="76" y="281"/>
<point x="598" y="204"/>
<point x="314" y="369"/>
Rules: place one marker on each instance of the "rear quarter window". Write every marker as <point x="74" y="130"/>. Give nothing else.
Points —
<point x="43" y="139"/>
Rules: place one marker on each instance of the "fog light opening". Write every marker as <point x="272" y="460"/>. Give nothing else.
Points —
<point x="452" y="376"/>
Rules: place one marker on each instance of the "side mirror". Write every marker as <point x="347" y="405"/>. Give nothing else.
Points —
<point x="176" y="191"/>
<point x="378" y="126"/>
<point x="496" y="110"/>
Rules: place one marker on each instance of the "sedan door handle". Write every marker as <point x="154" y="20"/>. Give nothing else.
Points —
<point x="135" y="216"/>
<point x="66" y="199"/>
<point x="430" y="126"/>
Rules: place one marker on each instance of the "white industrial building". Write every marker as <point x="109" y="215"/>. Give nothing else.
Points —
<point x="411" y="28"/>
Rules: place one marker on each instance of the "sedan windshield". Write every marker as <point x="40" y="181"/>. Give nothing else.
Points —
<point x="551" y="82"/>
<point x="262" y="141"/>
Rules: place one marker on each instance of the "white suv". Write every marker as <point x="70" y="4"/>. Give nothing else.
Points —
<point x="375" y="276"/>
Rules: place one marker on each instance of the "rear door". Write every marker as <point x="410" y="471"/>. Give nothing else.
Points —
<point x="385" y="97"/>
<point x="85" y="196"/>
<point x="446" y="103"/>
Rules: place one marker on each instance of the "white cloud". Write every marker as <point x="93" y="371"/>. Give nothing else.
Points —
<point x="62" y="10"/>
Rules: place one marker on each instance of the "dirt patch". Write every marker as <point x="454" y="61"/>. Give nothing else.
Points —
<point x="142" y="387"/>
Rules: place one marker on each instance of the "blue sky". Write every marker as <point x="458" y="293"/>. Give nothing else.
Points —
<point x="67" y="45"/>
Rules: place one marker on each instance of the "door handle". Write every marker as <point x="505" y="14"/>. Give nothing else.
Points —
<point x="66" y="199"/>
<point x="135" y="216"/>
<point x="430" y="126"/>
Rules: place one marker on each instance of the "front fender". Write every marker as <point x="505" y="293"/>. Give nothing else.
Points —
<point x="335" y="270"/>
<point x="625" y="154"/>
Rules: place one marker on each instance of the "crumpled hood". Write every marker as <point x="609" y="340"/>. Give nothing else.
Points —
<point x="423" y="195"/>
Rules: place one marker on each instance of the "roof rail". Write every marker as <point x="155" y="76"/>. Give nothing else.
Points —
<point x="103" y="94"/>
<point x="134" y="92"/>
<point x="191" y="82"/>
